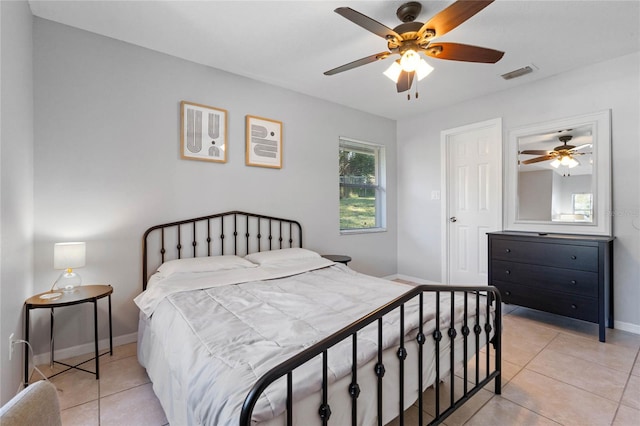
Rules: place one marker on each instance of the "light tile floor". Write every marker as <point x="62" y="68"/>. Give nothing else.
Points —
<point x="555" y="372"/>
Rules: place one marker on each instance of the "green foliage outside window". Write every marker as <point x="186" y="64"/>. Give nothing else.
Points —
<point x="359" y="188"/>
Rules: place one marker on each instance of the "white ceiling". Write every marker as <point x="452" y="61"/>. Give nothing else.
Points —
<point x="291" y="43"/>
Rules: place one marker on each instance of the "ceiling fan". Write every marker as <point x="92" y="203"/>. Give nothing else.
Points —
<point x="410" y="38"/>
<point x="561" y="155"/>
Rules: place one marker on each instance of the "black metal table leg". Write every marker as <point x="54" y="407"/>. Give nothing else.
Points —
<point x="95" y="338"/>
<point x="26" y="349"/>
<point x="51" y="320"/>
<point x="110" y="333"/>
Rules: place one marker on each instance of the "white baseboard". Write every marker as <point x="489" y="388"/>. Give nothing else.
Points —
<point x="409" y="278"/>
<point x="626" y="326"/>
<point x="86" y="348"/>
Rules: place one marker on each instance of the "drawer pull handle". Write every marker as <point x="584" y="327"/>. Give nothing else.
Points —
<point x="508" y="250"/>
<point x="507" y="272"/>
<point x="573" y="258"/>
<point x="573" y="306"/>
<point x="574" y="282"/>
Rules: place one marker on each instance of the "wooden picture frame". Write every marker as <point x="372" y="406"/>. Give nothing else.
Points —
<point x="203" y="132"/>
<point x="263" y="142"/>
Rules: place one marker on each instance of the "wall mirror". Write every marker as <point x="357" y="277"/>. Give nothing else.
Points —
<point x="558" y="176"/>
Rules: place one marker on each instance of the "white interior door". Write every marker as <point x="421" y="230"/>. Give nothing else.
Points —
<point x="472" y="199"/>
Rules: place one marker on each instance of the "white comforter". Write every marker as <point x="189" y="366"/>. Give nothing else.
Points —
<point x="243" y="330"/>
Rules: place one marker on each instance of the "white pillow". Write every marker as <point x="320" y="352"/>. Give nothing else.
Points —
<point x="204" y="264"/>
<point x="276" y="256"/>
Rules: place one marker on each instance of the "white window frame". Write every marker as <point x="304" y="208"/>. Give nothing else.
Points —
<point x="573" y="204"/>
<point x="380" y="188"/>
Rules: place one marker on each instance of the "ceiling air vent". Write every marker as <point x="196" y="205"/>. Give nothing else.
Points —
<point x="517" y="73"/>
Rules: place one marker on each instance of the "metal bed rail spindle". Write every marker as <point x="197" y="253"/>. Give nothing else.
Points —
<point x="477" y="330"/>
<point x="452" y="336"/>
<point x="402" y="355"/>
<point x="465" y="344"/>
<point x="324" y="411"/>
<point x="290" y="398"/>
<point x="421" y="339"/>
<point x="354" y="388"/>
<point x="194" y="243"/>
<point x="208" y="237"/>
<point x="380" y="370"/>
<point x="437" y="336"/>
<point x="350" y="332"/>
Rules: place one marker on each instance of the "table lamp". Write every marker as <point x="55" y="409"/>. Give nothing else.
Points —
<point x="68" y="256"/>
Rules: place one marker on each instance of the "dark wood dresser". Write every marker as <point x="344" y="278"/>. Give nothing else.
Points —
<point x="570" y="275"/>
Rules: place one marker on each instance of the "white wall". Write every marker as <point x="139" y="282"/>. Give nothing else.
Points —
<point x="611" y="85"/>
<point x="107" y="163"/>
<point x="535" y="192"/>
<point x="16" y="184"/>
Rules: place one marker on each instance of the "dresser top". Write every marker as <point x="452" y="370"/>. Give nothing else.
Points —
<point x="552" y="236"/>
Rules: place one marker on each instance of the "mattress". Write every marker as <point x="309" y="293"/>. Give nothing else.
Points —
<point x="206" y="344"/>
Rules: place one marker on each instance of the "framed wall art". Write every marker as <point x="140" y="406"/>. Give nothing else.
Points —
<point x="203" y="132"/>
<point x="264" y="142"/>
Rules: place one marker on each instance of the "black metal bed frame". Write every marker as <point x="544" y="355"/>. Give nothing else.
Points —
<point x="245" y="233"/>
<point x="350" y="332"/>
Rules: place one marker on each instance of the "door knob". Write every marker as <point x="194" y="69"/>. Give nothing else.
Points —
<point x="453" y="219"/>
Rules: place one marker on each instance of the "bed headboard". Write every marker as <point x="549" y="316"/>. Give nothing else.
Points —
<point x="233" y="232"/>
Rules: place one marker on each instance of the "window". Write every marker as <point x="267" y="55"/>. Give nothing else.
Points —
<point x="362" y="195"/>
<point x="583" y="205"/>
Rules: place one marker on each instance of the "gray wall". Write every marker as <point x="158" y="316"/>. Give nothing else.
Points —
<point x="16" y="184"/>
<point x="535" y="192"/>
<point x="107" y="163"/>
<point x="611" y="85"/>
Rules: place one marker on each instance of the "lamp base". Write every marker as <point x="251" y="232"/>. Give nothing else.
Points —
<point x="68" y="282"/>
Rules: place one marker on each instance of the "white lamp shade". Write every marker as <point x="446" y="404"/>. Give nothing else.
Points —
<point x="423" y="69"/>
<point x="393" y="72"/>
<point x="69" y="255"/>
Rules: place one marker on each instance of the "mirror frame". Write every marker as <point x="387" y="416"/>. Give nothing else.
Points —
<point x="601" y="179"/>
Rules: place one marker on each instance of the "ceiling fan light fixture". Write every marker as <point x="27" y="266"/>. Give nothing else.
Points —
<point x="410" y="60"/>
<point x="573" y="163"/>
<point x="555" y="163"/>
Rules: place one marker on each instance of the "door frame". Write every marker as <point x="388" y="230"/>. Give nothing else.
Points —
<point x="445" y="138"/>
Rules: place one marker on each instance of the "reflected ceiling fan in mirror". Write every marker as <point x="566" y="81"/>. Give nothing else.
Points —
<point x="562" y="155"/>
<point x="411" y="38"/>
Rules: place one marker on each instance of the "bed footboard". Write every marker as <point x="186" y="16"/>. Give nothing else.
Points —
<point x="482" y="322"/>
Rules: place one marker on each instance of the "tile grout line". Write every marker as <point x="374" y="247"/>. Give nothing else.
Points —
<point x="626" y="385"/>
<point x="572" y="385"/>
<point x="523" y="368"/>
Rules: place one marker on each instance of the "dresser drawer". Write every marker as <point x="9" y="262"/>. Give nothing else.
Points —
<point x="584" y="258"/>
<point x="574" y="306"/>
<point x="546" y="277"/>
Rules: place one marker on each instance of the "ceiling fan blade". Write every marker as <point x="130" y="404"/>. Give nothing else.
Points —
<point x="358" y="63"/>
<point x="452" y="16"/>
<point x="579" y="147"/>
<point x="367" y="23"/>
<point x="534" y="152"/>
<point x="463" y="52"/>
<point x="538" y="159"/>
<point x="405" y="79"/>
